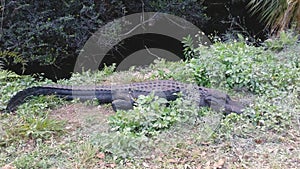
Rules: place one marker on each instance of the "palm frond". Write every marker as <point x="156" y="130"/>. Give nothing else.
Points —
<point x="277" y="14"/>
<point x="1" y="64"/>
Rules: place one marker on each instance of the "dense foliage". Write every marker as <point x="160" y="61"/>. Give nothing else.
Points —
<point x="48" y="32"/>
<point x="237" y="65"/>
<point x="53" y="32"/>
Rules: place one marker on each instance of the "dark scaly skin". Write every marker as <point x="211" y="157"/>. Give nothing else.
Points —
<point x="127" y="93"/>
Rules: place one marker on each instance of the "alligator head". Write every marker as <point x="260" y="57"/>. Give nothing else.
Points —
<point x="222" y="102"/>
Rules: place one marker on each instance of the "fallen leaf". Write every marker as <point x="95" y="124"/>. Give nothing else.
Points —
<point x="199" y="167"/>
<point x="8" y="167"/>
<point x="172" y="161"/>
<point x="128" y="164"/>
<point x="207" y="165"/>
<point x="205" y="143"/>
<point x="146" y="165"/>
<point x="110" y="165"/>
<point x="259" y="141"/>
<point x="100" y="155"/>
<point x="219" y="164"/>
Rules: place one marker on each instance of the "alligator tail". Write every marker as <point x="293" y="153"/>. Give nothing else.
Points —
<point x="23" y="95"/>
<point x="68" y="93"/>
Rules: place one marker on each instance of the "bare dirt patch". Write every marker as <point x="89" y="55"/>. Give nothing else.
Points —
<point x="79" y="116"/>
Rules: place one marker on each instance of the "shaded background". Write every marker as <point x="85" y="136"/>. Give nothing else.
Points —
<point x="46" y="36"/>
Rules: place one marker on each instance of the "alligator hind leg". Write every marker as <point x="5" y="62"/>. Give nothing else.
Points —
<point x="120" y="104"/>
<point x="122" y="100"/>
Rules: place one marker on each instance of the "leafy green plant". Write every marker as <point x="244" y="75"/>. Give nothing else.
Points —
<point x="50" y="34"/>
<point x="32" y="122"/>
<point x="237" y="65"/>
<point x="133" y="132"/>
<point x="151" y="116"/>
<point x="228" y="126"/>
<point x="270" y="73"/>
<point x="11" y="83"/>
<point x="86" y="152"/>
<point x="189" y="48"/>
<point x="192" y="9"/>
<point x="162" y="69"/>
<point x="43" y="156"/>
<point x="225" y="64"/>
<point x="273" y="111"/>
<point x="30" y="128"/>
<point x="148" y="118"/>
<point x="285" y="39"/>
<point x="7" y="57"/>
<point x="120" y="145"/>
<point x="1" y="64"/>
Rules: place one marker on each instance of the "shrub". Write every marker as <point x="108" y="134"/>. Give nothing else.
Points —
<point x="191" y="10"/>
<point x="237" y="65"/>
<point x="285" y="39"/>
<point x="54" y="32"/>
<point x="272" y="75"/>
<point x="151" y="116"/>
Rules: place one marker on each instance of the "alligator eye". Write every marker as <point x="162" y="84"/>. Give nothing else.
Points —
<point x="227" y="99"/>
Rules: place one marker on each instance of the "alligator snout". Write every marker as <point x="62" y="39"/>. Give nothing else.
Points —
<point x="233" y="107"/>
<point x="222" y="102"/>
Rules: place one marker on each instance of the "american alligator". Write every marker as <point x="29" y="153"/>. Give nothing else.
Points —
<point x="123" y="96"/>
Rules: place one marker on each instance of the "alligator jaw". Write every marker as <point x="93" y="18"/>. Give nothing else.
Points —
<point x="220" y="101"/>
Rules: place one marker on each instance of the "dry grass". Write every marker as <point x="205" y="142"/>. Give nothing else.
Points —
<point x="185" y="146"/>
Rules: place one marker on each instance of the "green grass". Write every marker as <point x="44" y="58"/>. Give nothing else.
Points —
<point x="47" y="132"/>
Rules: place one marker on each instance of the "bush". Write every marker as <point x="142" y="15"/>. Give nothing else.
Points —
<point x="273" y="75"/>
<point x="48" y="31"/>
<point x="54" y="32"/>
<point x="151" y="116"/>
<point x="191" y="10"/>
<point x="284" y="40"/>
<point x="237" y="65"/>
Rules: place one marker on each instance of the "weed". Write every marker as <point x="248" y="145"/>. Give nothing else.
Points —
<point x="285" y="39"/>
<point x="237" y="65"/>
<point x="120" y="145"/>
<point x="149" y="117"/>
<point x="30" y="128"/>
<point x="161" y="69"/>
<point x="7" y="57"/>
